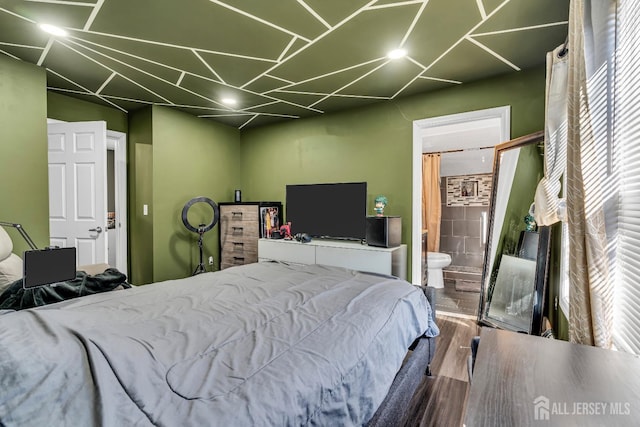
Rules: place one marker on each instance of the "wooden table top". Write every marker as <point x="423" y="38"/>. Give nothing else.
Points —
<point x="524" y="380"/>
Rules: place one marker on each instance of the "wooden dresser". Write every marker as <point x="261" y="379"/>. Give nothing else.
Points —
<point x="241" y="225"/>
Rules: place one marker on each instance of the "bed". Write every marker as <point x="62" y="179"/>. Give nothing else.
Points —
<point x="262" y="344"/>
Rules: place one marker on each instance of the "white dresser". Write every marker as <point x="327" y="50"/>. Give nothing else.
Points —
<point x="353" y="255"/>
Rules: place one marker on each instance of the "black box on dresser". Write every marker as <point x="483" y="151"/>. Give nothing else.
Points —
<point x="384" y="231"/>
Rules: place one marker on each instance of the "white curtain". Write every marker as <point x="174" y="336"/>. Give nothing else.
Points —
<point x="578" y="143"/>
<point x="591" y="179"/>
<point x="549" y="207"/>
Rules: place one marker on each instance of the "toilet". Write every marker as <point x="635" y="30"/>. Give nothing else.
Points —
<point x="436" y="261"/>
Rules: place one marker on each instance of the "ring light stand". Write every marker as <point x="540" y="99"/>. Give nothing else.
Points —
<point x="201" y="229"/>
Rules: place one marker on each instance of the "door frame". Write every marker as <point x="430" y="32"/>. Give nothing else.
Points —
<point x="117" y="141"/>
<point x="503" y="114"/>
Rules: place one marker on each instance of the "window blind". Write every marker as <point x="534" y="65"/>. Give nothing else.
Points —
<point x="626" y="333"/>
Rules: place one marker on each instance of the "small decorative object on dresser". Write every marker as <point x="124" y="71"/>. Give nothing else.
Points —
<point x="241" y="225"/>
<point x="380" y="203"/>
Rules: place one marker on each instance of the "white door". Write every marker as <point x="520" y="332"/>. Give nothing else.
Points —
<point x="78" y="189"/>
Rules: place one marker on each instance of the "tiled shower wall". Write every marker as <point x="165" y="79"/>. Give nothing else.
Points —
<point x="460" y="234"/>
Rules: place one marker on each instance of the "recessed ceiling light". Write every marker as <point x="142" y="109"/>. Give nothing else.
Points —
<point x="229" y="101"/>
<point x="52" y="29"/>
<point x="397" y="53"/>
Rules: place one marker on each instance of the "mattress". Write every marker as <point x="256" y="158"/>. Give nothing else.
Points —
<point x="262" y="344"/>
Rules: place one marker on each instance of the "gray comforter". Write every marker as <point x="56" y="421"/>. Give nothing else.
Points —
<point x="263" y="344"/>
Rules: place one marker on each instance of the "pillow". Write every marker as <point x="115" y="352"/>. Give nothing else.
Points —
<point x="10" y="271"/>
<point x="93" y="269"/>
<point x="6" y="245"/>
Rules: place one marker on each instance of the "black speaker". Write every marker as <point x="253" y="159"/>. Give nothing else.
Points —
<point x="384" y="231"/>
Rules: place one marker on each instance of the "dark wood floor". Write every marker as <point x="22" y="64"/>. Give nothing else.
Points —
<point x="440" y="399"/>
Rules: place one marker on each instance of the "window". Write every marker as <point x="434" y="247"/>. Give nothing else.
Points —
<point x="626" y="334"/>
<point x="616" y="124"/>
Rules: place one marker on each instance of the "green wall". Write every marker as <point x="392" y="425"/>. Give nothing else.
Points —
<point x="140" y="192"/>
<point x="374" y="144"/>
<point x="69" y="109"/>
<point x="191" y="157"/>
<point x="24" y="182"/>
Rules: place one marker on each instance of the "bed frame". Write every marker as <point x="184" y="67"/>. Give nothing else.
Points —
<point x="410" y="375"/>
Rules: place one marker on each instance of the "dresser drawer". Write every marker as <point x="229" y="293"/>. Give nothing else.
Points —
<point x="239" y="213"/>
<point x="238" y="231"/>
<point x="234" y="261"/>
<point x="231" y="246"/>
<point x="238" y="258"/>
<point x="287" y="251"/>
<point x="355" y="258"/>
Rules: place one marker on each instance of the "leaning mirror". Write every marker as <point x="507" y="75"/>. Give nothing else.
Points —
<point x="516" y="254"/>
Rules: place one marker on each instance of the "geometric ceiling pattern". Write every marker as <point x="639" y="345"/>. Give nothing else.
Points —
<point x="278" y="59"/>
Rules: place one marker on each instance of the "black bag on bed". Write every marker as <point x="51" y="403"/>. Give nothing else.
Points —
<point x="15" y="297"/>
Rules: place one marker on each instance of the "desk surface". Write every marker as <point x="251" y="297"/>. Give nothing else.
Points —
<point x="523" y="380"/>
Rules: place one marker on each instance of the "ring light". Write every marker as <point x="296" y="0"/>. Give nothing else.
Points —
<point x="214" y="221"/>
<point x="201" y="228"/>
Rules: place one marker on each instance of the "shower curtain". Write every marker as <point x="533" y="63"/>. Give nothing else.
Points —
<point x="431" y="208"/>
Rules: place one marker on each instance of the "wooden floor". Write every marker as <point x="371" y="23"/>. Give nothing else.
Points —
<point x="440" y="399"/>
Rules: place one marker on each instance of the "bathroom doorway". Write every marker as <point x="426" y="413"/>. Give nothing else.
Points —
<point x="465" y="143"/>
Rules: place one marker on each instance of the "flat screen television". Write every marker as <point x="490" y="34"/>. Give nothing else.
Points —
<point x="335" y="211"/>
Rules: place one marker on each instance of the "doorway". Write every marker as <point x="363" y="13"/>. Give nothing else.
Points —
<point x="114" y="218"/>
<point x="462" y="139"/>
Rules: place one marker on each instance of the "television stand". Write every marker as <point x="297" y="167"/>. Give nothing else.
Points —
<point x="339" y="253"/>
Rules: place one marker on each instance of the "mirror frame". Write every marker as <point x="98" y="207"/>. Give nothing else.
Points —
<point x="542" y="257"/>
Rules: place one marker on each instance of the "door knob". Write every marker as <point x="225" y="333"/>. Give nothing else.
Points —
<point x="97" y="229"/>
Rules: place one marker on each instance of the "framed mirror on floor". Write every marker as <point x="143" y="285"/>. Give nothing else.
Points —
<point x="516" y="256"/>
